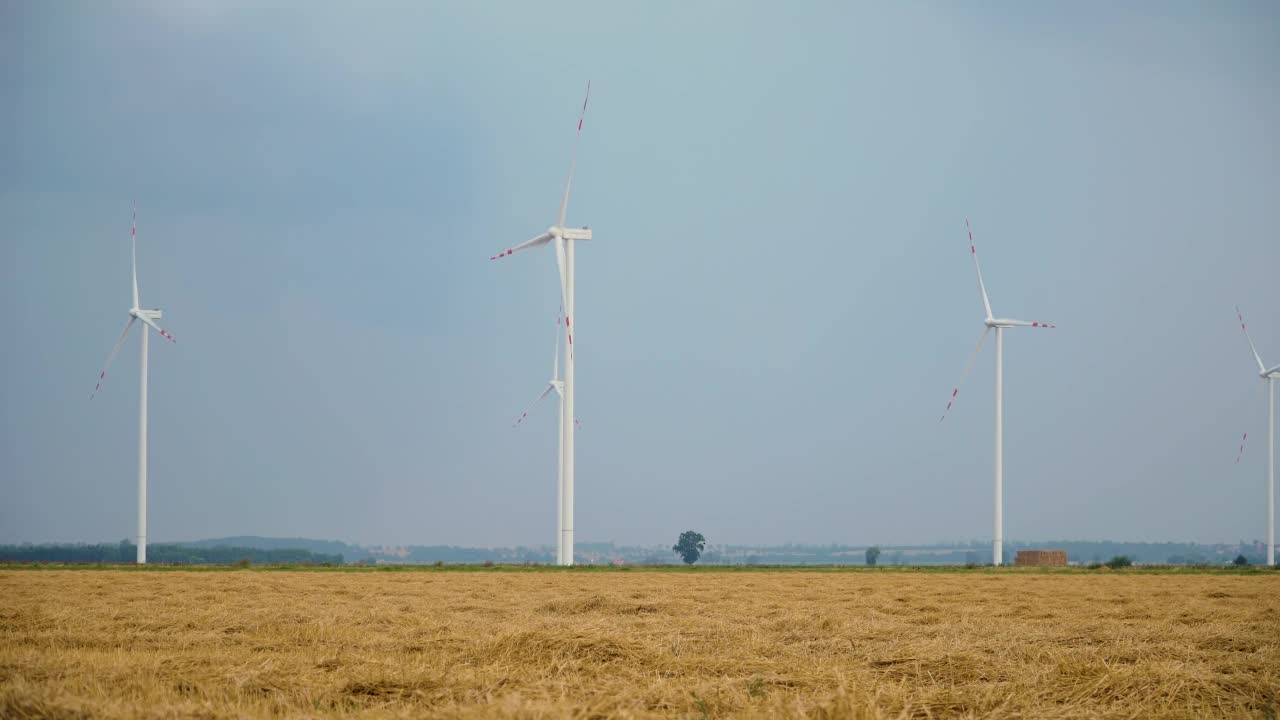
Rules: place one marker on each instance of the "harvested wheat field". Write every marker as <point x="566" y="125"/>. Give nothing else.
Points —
<point x="118" y="643"/>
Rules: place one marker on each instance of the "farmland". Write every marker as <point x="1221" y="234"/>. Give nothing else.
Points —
<point x="865" y="644"/>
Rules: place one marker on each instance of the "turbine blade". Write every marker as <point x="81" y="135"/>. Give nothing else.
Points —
<point x="968" y="367"/>
<point x="102" y="376"/>
<point x="564" y="292"/>
<point x="1241" y="453"/>
<point x="973" y="250"/>
<point x="532" y="405"/>
<point x="561" y="267"/>
<point x="152" y="323"/>
<point x="133" y="238"/>
<point x="555" y="366"/>
<point x="1240" y="316"/>
<point x="1030" y="324"/>
<point x="573" y="160"/>
<point x="539" y="241"/>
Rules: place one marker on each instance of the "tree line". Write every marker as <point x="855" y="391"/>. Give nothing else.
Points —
<point x="163" y="553"/>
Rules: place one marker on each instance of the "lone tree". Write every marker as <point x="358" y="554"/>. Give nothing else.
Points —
<point x="690" y="546"/>
<point x="873" y="554"/>
<point x="1241" y="560"/>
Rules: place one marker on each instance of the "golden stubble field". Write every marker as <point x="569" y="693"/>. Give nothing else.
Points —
<point x="111" y="643"/>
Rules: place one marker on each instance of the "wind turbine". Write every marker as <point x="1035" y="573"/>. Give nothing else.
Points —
<point x="562" y="238"/>
<point x="999" y="325"/>
<point x="1270" y="375"/>
<point x="148" y="319"/>
<point x="556" y="384"/>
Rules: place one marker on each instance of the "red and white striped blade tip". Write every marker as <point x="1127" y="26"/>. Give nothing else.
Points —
<point x="947" y="409"/>
<point x="583" y="114"/>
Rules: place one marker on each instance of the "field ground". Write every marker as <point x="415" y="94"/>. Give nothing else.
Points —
<point x="117" y="643"/>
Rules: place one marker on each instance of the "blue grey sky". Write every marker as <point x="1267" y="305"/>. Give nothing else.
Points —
<point x="776" y="305"/>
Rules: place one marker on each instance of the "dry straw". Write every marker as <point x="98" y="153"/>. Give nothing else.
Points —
<point x="116" y="644"/>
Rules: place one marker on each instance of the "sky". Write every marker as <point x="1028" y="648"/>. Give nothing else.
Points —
<point x="775" y="307"/>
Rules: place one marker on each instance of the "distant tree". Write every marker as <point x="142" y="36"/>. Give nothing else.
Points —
<point x="690" y="546"/>
<point x="873" y="554"/>
<point x="1241" y="560"/>
<point x="1119" y="561"/>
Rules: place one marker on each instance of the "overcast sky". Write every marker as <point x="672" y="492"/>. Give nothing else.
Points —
<point x="775" y="307"/>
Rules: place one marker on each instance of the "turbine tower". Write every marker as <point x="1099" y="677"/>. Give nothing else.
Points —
<point x="148" y="318"/>
<point x="562" y="238"/>
<point x="999" y="325"/>
<point x="1269" y="375"/>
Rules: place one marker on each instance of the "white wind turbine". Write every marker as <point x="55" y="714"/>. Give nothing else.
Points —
<point x="148" y="318"/>
<point x="1270" y="375"/>
<point x="555" y="384"/>
<point x="999" y="324"/>
<point x="562" y="237"/>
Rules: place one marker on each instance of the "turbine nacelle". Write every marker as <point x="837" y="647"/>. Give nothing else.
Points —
<point x="149" y="318"/>
<point x="568" y="233"/>
<point x="1009" y="323"/>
